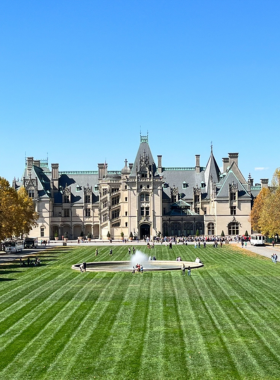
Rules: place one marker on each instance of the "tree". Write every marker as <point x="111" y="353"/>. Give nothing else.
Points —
<point x="17" y="212"/>
<point x="246" y="233"/>
<point x="223" y="234"/>
<point x="108" y="234"/>
<point x="276" y="178"/>
<point x="197" y="233"/>
<point x="269" y="221"/>
<point x="257" y="209"/>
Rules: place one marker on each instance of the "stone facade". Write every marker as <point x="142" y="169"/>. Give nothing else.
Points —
<point x="143" y="199"/>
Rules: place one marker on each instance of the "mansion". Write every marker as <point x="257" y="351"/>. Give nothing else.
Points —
<point x="145" y="198"/>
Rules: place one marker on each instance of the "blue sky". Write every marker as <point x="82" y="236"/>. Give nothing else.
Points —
<point x="78" y="79"/>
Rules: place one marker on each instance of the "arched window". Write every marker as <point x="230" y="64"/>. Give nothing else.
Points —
<point x="233" y="228"/>
<point x="165" y="229"/>
<point x="176" y="229"/>
<point x="211" y="229"/>
<point x="189" y="228"/>
<point x="199" y="228"/>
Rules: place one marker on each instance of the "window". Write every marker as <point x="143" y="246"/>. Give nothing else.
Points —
<point x="233" y="196"/>
<point x="96" y="188"/>
<point x="31" y="193"/>
<point x="125" y="199"/>
<point x="142" y="197"/>
<point x="42" y="232"/>
<point x="125" y="187"/>
<point x="87" y="199"/>
<point x="196" y="198"/>
<point x="66" y="213"/>
<point x="115" y="190"/>
<point x="232" y="210"/>
<point x="164" y="211"/>
<point x="142" y="211"/>
<point x="105" y="217"/>
<point x="105" y="191"/>
<point x="125" y="213"/>
<point x="196" y="210"/>
<point x="211" y="230"/>
<point x="233" y="228"/>
<point x="66" y="199"/>
<point x="144" y="175"/>
<point x="104" y="204"/>
<point x="147" y="197"/>
<point x="78" y="188"/>
<point x="205" y="211"/>
<point x="115" y="201"/>
<point x="147" y="211"/>
<point x="185" y="185"/>
<point x="148" y="186"/>
<point x="87" y="212"/>
<point x="116" y="224"/>
<point x="126" y="224"/>
<point x="115" y="214"/>
<point x="140" y="186"/>
<point x="173" y="198"/>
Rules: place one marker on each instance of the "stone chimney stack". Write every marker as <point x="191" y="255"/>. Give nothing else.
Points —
<point x="29" y="165"/>
<point x="264" y="183"/>
<point x="55" y="176"/>
<point x="197" y="163"/>
<point x="37" y="163"/>
<point x="233" y="157"/>
<point x="225" y="164"/>
<point x="159" y="164"/>
<point x="102" y="170"/>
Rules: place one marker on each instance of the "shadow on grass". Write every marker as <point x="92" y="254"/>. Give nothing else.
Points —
<point x="7" y="279"/>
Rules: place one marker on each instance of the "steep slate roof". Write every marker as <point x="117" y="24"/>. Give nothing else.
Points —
<point x="231" y="178"/>
<point x="143" y="147"/>
<point x="212" y="171"/>
<point x="178" y="177"/>
<point x="83" y="179"/>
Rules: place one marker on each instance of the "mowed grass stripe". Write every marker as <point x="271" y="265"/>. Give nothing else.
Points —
<point x="198" y="361"/>
<point x="257" y="346"/>
<point x="152" y="362"/>
<point x="51" y="336"/>
<point x="229" y="363"/>
<point x="74" y="347"/>
<point x="135" y="339"/>
<point x="228" y="326"/>
<point x="254" y="318"/>
<point x="14" y="339"/>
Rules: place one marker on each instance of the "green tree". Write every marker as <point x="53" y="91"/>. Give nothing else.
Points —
<point x="197" y="233"/>
<point x="223" y="234"/>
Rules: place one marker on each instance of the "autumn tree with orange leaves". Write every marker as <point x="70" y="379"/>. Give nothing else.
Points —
<point x="17" y="212"/>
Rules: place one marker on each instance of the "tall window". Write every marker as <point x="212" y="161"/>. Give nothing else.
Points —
<point x="233" y="228"/>
<point x="115" y="214"/>
<point x="66" y="213"/>
<point x="105" y="191"/>
<point x="104" y="204"/>
<point x="87" y="199"/>
<point x="66" y="199"/>
<point x="211" y="230"/>
<point x="142" y="211"/>
<point x="173" y="198"/>
<point x="115" y="201"/>
<point x="42" y="232"/>
<point x="233" y="196"/>
<point x="232" y="210"/>
<point x="104" y="217"/>
<point x="196" y="198"/>
<point x="31" y="193"/>
<point x="87" y="212"/>
<point x="147" y="211"/>
<point x="114" y="190"/>
<point x="196" y="210"/>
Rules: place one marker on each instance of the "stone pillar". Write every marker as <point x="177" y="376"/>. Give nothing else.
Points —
<point x="29" y="165"/>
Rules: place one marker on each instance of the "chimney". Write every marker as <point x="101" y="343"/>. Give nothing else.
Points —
<point x="233" y="157"/>
<point x="225" y="164"/>
<point x="264" y="183"/>
<point x="55" y="176"/>
<point x="102" y="171"/>
<point x="37" y="163"/>
<point x="159" y="164"/>
<point x="130" y="166"/>
<point x="197" y="163"/>
<point x="29" y="165"/>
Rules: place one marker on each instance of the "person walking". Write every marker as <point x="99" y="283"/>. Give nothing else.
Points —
<point x="81" y="268"/>
<point x="183" y="269"/>
<point x="85" y="266"/>
<point x="189" y="271"/>
<point x="111" y="252"/>
<point x="96" y="252"/>
<point x="133" y="250"/>
<point x="129" y="250"/>
<point x="133" y="270"/>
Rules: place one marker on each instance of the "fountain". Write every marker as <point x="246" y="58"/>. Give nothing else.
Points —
<point x="138" y="258"/>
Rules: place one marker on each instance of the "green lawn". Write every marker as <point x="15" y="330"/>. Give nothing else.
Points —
<point x="220" y="323"/>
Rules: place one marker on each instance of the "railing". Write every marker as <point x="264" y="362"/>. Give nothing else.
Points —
<point x="80" y="172"/>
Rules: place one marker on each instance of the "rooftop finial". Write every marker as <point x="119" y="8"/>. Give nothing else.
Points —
<point x="211" y="147"/>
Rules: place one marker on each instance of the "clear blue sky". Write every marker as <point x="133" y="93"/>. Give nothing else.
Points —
<point x="79" y="78"/>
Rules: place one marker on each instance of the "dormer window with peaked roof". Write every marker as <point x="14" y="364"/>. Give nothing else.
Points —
<point x="185" y="185"/>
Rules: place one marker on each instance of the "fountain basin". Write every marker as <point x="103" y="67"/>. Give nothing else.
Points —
<point x="126" y="266"/>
